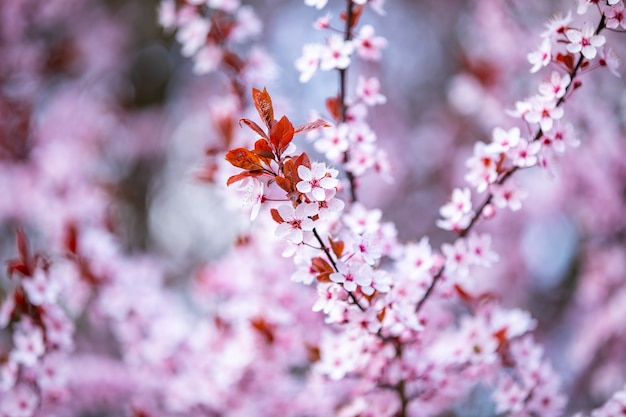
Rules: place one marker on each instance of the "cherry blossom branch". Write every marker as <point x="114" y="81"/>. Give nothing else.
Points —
<point x="342" y="97"/>
<point x="334" y="264"/>
<point x="507" y="174"/>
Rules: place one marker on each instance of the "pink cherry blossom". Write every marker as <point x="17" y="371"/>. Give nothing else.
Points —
<point x="557" y="25"/>
<point x="615" y="15"/>
<point x="192" y="35"/>
<point x="309" y="62"/>
<point x="368" y="90"/>
<point x="541" y="57"/>
<point x="456" y="213"/>
<point x="508" y="195"/>
<point x="479" y="249"/>
<point x="417" y="259"/>
<point x="40" y="288"/>
<point x="352" y="275"/>
<point x="29" y="344"/>
<point x="458" y="259"/>
<point x="368" y="45"/>
<point x="525" y="153"/>
<point x="482" y="167"/>
<point x="503" y="140"/>
<point x="544" y="111"/>
<point x="336" y="53"/>
<point x="334" y="142"/>
<point x="361" y="220"/>
<point x="296" y="221"/>
<point x="557" y="86"/>
<point x="323" y="22"/>
<point x="329" y="207"/>
<point x="207" y="59"/>
<point x="316" y="180"/>
<point x="584" y="41"/>
<point x="248" y="24"/>
<point x="367" y="247"/>
<point x="608" y="58"/>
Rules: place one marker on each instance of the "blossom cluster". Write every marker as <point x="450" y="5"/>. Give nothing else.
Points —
<point x="208" y="30"/>
<point x="351" y="134"/>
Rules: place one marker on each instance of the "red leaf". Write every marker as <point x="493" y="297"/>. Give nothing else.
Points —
<point x="307" y="127"/>
<point x="23" y="264"/>
<point x="321" y="265"/>
<point x="22" y="245"/>
<point x="263" y="149"/>
<point x="276" y="216"/>
<point x="285" y="184"/>
<point x="313" y="352"/>
<point x="263" y="104"/>
<point x="356" y="14"/>
<point x="244" y="159"/>
<point x="463" y="294"/>
<point x="281" y="134"/>
<point x="568" y="60"/>
<point x="500" y="335"/>
<point x="71" y="238"/>
<point x="303" y="159"/>
<point x="254" y="127"/>
<point x="333" y="105"/>
<point x="243" y="175"/>
<point x="264" y="328"/>
<point x="15" y="265"/>
<point x="381" y="315"/>
<point x="337" y="247"/>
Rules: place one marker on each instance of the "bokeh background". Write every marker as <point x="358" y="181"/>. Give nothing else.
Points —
<point x="102" y="120"/>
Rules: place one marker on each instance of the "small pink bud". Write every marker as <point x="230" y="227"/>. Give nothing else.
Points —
<point x="489" y="211"/>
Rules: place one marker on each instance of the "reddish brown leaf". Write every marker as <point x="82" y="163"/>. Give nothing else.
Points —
<point x="568" y="60"/>
<point x="357" y="10"/>
<point x="500" y="335"/>
<point x="324" y="277"/>
<point x="22" y="245"/>
<point x="463" y="294"/>
<point x="290" y="169"/>
<point x="276" y="216"/>
<point x="281" y="134"/>
<point x="244" y="159"/>
<point x="381" y="315"/>
<point x="307" y="127"/>
<point x="333" y="105"/>
<point x="337" y="247"/>
<point x="232" y="60"/>
<point x="263" y="149"/>
<point x="71" y="238"/>
<point x="246" y="174"/>
<point x="263" y="328"/>
<point x="321" y="265"/>
<point x="259" y="131"/>
<point x="23" y="264"/>
<point x="15" y="265"/>
<point x="302" y="159"/>
<point x="285" y="184"/>
<point x="263" y="104"/>
<point x="313" y="352"/>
